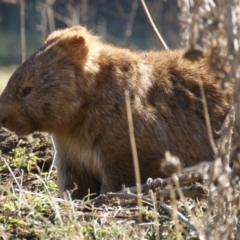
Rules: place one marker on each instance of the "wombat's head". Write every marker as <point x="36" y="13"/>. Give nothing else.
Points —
<point x="47" y="90"/>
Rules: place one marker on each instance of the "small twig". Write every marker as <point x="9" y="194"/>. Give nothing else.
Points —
<point x="14" y="177"/>
<point x="134" y="148"/>
<point x="195" y="191"/>
<point x="225" y="142"/>
<point x="58" y="215"/>
<point x="20" y="194"/>
<point x="180" y="216"/>
<point x="104" y="198"/>
<point x="154" y="26"/>
<point x="198" y="169"/>
<point x="23" y="34"/>
<point x="182" y="197"/>
<point x="154" y="200"/>
<point x="207" y="118"/>
<point x="41" y="195"/>
<point x="50" y="15"/>
<point x="174" y="215"/>
<point x="183" y="179"/>
<point x="180" y="193"/>
<point x="53" y="162"/>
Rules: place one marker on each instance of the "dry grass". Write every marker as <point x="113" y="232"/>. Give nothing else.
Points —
<point x="30" y="207"/>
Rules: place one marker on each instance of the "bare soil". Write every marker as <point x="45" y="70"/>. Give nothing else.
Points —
<point x="37" y="144"/>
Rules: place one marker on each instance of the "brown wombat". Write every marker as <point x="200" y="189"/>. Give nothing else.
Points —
<point x="74" y="88"/>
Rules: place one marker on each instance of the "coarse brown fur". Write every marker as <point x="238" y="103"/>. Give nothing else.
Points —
<point x="74" y="88"/>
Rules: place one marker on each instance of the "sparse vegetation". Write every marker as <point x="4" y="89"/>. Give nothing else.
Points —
<point x="31" y="207"/>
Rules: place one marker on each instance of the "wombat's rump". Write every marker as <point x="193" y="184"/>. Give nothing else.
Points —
<point x="74" y="88"/>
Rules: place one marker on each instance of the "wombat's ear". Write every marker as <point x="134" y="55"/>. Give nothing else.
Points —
<point x="75" y="45"/>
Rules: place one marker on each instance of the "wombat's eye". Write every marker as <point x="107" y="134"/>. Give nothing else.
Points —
<point x="26" y="91"/>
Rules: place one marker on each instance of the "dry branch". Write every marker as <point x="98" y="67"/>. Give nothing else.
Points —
<point x="161" y="187"/>
<point x="153" y="25"/>
<point x="184" y="179"/>
<point x="23" y="34"/>
<point x="195" y="191"/>
<point x="133" y="146"/>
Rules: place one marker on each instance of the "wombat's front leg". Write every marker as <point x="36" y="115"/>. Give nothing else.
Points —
<point x="69" y="175"/>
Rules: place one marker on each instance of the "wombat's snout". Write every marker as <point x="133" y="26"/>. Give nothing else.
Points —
<point x="9" y="118"/>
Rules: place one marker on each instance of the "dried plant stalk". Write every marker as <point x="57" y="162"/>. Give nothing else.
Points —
<point x="214" y="25"/>
<point x="134" y="149"/>
<point x="153" y="25"/>
<point x="23" y="34"/>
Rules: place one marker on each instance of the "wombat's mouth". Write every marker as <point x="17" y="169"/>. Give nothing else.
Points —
<point x="20" y="128"/>
<point x="20" y="131"/>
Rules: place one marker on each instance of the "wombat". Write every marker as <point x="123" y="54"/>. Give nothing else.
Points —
<point x="74" y="88"/>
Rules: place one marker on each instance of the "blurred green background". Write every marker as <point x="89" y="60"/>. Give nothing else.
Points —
<point x="119" y="22"/>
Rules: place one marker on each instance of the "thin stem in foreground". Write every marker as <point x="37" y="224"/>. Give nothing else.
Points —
<point x="134" y="148"/>
<point x="207" y="119"/>
<point x="23" y="34"/>
<point x="154" y="26"/>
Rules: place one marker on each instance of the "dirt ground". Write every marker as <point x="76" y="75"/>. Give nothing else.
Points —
<point x="31" y="207"/>
<point x="36" y="148"/>
<point x="36" y="212"/>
